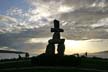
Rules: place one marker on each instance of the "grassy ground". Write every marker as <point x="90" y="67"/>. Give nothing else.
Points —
<point x="15" y="64"/>
<point x="50" y="70"/>
<point x="94" y="63"/>
<point x="86" y="65"/>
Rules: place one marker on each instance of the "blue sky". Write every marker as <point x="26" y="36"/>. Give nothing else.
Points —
<point x="6" y="4"/>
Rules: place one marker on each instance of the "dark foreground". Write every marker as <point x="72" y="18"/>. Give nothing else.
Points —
<point x="51" y="69"/>
<point x="70" y="64"/>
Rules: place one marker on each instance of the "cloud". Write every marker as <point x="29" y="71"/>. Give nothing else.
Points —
<point x="7" y="19"/>
<point x="98" y="3"/>
<point x="80" y="19"/>
<point x="78" y="15"/>
<point x="23" y="41"/>
<point x="14" y="11"/>
<point x="18" y="42"/>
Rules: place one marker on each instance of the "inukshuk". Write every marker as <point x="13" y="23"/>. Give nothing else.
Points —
<point x="50" y="50"/>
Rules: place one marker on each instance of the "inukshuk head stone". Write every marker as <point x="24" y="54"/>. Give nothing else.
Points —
<point x="50" y="50"/>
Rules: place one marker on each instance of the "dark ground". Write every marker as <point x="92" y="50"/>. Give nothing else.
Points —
<point x="64" y="64"/>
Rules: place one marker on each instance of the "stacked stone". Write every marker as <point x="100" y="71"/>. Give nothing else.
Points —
<point x="50" y="50"/>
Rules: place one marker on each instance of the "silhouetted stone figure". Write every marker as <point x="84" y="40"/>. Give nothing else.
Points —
<point x="49" y="58"/>
<point x="50" y="50"/>
<point x="56" y="35"/>
<point x="61" y="49"/>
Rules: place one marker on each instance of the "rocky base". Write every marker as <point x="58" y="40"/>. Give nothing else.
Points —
<point x="55" y="60"/>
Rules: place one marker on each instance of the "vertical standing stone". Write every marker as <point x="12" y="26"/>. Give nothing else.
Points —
<point x="56" y="24"/>
<point x="61" y="49"/>
<point x="50" y="50"/>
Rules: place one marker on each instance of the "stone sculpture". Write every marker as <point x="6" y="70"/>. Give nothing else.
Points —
<point x="50" y="50"/>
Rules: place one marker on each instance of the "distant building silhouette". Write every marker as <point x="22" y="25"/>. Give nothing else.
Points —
<point x="50" y="50"/>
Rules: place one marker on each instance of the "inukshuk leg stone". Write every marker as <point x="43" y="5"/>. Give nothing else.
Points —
<point x="50" y="50"/>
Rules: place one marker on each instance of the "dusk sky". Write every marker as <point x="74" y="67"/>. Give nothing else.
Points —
<point x="25" y="24"/>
